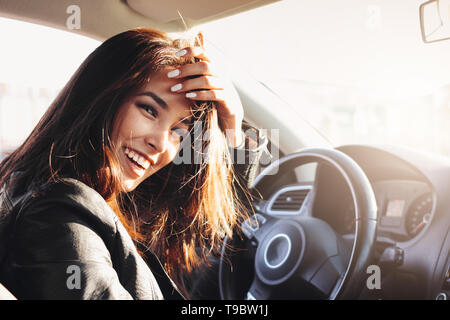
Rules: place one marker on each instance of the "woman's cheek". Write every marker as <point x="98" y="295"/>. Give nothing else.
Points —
<point x="137" y="125"/>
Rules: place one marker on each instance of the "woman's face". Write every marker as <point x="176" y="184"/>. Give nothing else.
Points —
<point x="148" y="128"/>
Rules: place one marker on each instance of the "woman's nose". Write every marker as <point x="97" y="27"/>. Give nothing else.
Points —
<point x="159" y="141"/>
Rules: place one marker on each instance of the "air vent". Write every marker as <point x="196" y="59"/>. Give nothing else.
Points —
<point x="289" y="200"/>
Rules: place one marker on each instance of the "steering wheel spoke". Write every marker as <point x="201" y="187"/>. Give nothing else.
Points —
<point x="258" y="291"/>
<point x="254" y="227"/>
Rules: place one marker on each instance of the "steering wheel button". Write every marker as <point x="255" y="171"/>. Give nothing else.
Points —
<point x="277" y="251"/>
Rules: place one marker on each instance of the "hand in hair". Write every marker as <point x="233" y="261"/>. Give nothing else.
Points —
<point x="200" y="81"/>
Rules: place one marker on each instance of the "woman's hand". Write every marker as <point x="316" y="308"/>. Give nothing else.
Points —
<point x="207" y="85"/>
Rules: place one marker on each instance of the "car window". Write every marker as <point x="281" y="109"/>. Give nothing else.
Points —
<point x="35" y="63"/>
<point x="357" y="70"/>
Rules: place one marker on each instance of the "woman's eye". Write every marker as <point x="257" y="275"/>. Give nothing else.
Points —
<point x="148" y="109"/>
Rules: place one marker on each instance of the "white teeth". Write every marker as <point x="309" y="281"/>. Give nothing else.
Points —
<point x="137" y="158"/>
<point x="140" y="160"/>
<point x="143" y="163"/>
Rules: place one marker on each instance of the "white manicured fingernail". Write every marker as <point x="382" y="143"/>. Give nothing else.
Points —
<point x="173" y="73"/>
<point x="181" y="53"/>
<point x="191" y="95"/>
<point x="176" y="87"/>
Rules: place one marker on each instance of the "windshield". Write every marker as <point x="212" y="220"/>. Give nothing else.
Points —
<point x="357" y="70"/>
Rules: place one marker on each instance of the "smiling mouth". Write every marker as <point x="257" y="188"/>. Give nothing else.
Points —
<point x="136" y="161"/>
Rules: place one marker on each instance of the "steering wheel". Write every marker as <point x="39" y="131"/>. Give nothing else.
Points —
<point x="302" y="256"/>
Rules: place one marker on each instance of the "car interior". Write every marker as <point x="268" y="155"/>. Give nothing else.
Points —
<point x="329" y="221"/>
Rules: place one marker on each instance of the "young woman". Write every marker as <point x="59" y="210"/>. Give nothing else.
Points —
<point x="94" y="199"/>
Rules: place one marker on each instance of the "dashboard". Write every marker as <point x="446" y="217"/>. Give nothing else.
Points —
<point x="411" y="191"/>
<point x="405" y="208"/>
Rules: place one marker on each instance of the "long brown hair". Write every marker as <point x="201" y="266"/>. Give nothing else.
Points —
<point x="178" y="209"/>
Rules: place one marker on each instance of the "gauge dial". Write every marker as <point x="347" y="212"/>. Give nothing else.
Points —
<point x="419" y="214"/>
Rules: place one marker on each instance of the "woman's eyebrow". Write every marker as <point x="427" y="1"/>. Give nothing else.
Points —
<point x="155" y="97"/>
<point x="164" y="105"/>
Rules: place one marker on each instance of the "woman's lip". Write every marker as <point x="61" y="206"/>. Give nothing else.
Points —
<point x="138" y="172"/>
<point x="141" y="154"/>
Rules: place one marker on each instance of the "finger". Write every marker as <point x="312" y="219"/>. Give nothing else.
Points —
<point x="207" y="95"/>
<point x="196" y="52"/>
<point x="201" y="68"/>
<point x="199" y="83"/>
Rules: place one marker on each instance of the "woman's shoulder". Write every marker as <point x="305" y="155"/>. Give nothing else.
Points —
<point x="68" y="225"/>
<point x="66" y="198"/>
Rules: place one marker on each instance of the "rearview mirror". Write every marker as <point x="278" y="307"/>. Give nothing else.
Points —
<point x="435" y="20"/>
